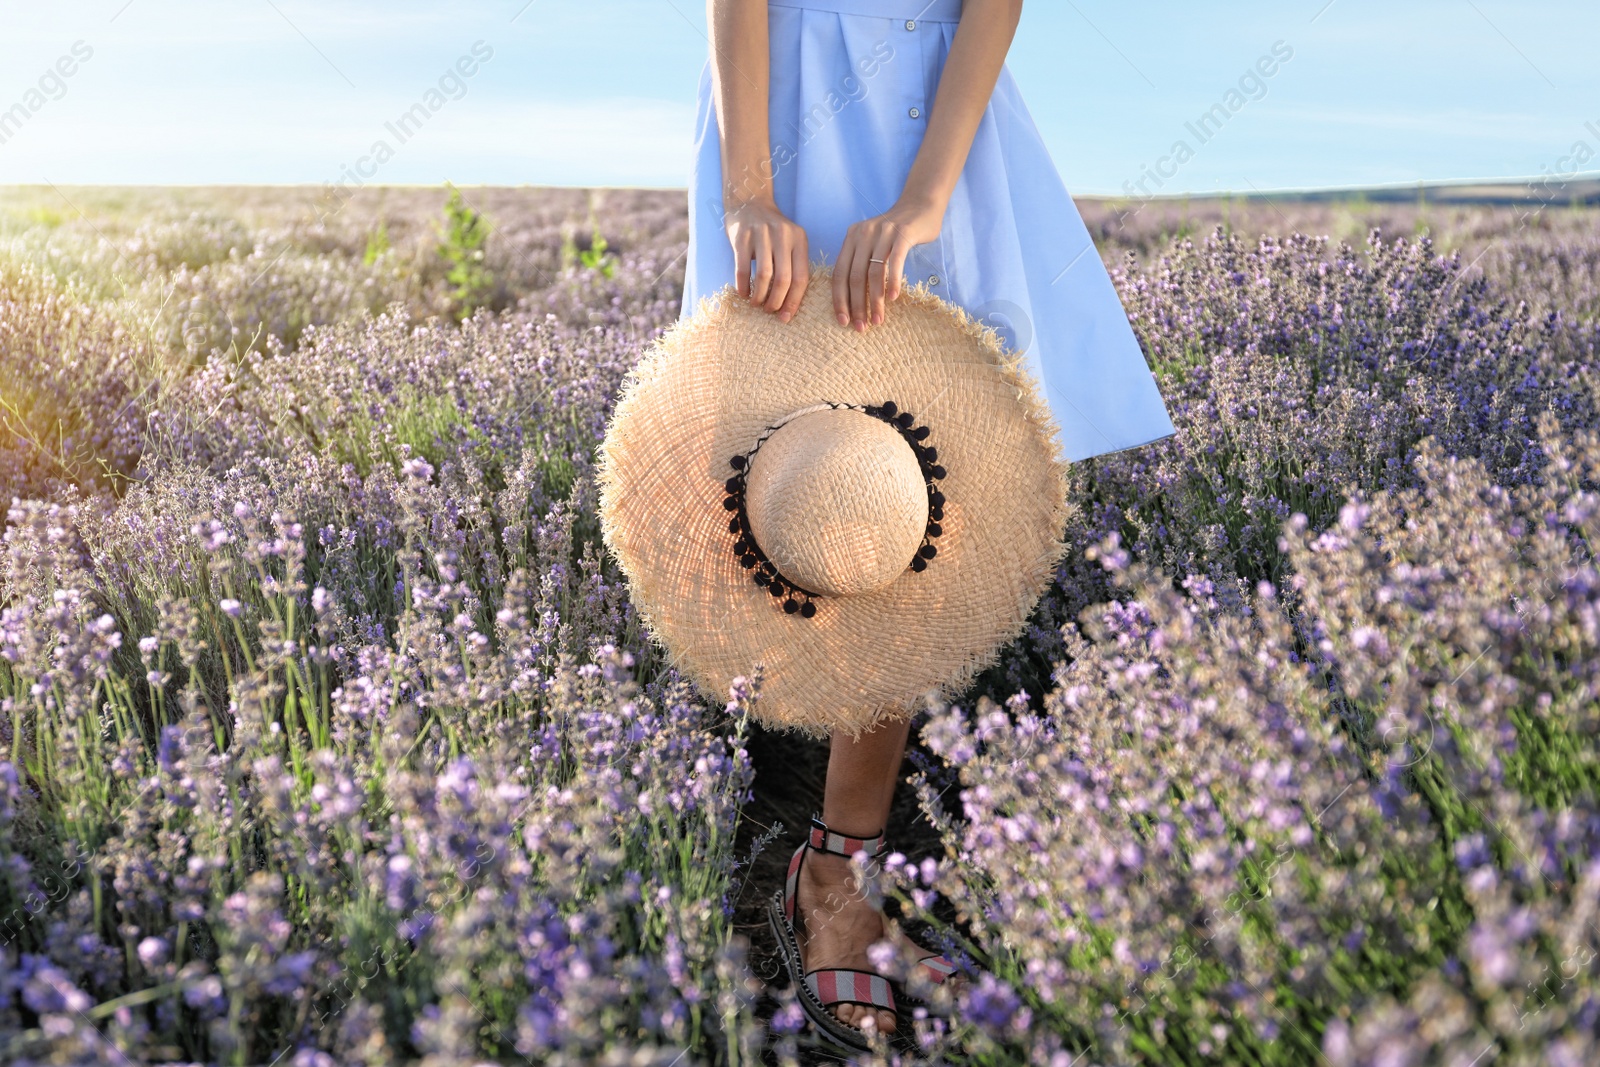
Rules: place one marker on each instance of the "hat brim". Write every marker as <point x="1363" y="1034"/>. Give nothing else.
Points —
<point x="704" y="392"/>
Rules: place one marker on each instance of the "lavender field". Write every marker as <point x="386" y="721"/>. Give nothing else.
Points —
<point x="328" y="734"/>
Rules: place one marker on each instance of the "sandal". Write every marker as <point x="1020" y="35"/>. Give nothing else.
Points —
<point x="821" y="989"/>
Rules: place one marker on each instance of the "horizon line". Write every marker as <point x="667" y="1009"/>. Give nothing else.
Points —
<point x="1420" y="184"/>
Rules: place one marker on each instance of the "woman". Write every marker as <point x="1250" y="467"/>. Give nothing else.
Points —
<point x="891" y="131"/>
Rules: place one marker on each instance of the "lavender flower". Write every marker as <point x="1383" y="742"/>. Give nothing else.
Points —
<point x="330" y="734"/>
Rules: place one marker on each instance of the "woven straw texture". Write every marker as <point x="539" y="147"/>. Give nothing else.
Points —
<point x="837" y="502"/>
<point x="708" y="388"/>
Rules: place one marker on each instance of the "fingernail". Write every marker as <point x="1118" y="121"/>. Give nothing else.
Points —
<point x="844" y="320"/>
<point x="877" y="318"/>
<point x="783" y="316"/>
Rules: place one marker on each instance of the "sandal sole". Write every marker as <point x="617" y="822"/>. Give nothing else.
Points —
<point x="842" y="1034"/>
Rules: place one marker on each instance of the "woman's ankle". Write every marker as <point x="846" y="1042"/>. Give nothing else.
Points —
<point x="822" y="871"/>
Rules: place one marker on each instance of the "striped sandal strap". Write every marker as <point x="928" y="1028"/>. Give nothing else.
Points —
<point x="825" y="839"/>
<point x="791" y="883"/>
<point x="936" y="968"/>
<point x="843" y="986"/>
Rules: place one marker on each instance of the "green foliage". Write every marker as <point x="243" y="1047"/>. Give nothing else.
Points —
<point x="595" y="257"/>
<point x="377" y="243"/>
<point x="464" y="235"/>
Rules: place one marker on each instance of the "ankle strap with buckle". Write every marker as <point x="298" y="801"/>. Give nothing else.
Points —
<point x="824" y="839"/>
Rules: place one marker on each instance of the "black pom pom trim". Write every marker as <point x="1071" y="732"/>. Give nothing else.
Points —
<point x="793" y="599"/>
<point x="927" y="456"/>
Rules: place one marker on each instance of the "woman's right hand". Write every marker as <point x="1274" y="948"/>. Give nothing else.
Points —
<point x="762" y="235"/>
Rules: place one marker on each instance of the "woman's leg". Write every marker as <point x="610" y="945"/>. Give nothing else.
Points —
<point x="839" y="924"/>
<point x="861" y="778"/>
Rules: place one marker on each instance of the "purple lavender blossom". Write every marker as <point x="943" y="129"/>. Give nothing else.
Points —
<point x="331" y="733"/>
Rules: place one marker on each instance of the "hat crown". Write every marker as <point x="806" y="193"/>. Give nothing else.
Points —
<point x="837" y="501"/>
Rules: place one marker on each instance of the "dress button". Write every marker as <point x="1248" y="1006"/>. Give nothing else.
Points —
<point x="911" y="24"/>
<point x="915" y="113"/>
<point x="933" y="279"/>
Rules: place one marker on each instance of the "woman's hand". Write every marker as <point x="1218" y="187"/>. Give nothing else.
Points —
<point x="971" y="71"/>
<point x="762" y="234"/>
<point x="873" y="258"/>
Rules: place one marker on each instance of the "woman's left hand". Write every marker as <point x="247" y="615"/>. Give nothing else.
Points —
<point x="872" y="260"/>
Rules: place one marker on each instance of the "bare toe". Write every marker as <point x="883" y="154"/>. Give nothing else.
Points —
<point x="839" y="936"/>
<point x="862" y="1017"/>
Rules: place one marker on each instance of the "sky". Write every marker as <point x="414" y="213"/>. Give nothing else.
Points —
<point x="602" y="92"/>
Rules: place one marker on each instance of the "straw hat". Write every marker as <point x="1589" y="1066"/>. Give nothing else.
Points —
<point x="867" y="516"/>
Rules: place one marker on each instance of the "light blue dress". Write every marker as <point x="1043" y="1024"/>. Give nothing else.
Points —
<point x="852" y="82"/>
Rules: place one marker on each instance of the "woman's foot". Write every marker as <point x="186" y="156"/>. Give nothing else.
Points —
<point x="835" y="923"/>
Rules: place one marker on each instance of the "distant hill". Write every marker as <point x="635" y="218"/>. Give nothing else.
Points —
<point x="1578" y="191"/>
